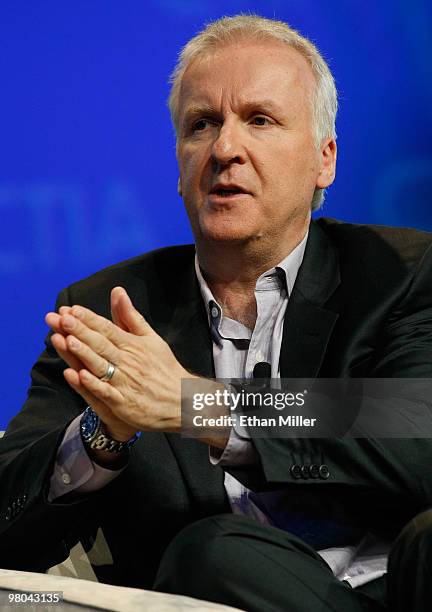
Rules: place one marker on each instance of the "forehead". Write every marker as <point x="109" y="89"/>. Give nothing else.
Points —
<point x="245" y="70"/>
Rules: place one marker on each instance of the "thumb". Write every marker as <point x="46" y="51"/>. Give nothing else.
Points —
<point x="125" y="314"/>
<point x="115" y="308"/>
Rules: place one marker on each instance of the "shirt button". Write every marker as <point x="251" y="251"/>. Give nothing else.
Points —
<point x="259" y="356"/>
<point x="66" y="478"/>
<point x="214" y="312"/>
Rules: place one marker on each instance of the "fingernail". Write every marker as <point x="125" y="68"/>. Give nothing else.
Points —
<point x="68" y="321"/>
<point x="78" y="312"/>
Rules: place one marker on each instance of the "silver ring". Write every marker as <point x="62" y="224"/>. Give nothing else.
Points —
<point x="109" y="372"/>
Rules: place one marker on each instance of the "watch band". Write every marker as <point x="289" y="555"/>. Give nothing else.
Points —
<point x="94" y="436"/>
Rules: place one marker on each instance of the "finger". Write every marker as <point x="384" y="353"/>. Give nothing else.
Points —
<point x="65" y="309"/>
<point x="115" y="315"/>
<point x="129" y="315"/>
<point x="97" y="323"/>
<point x="92" y="361"/>
<point x="59" y="343"/>
<point x="73" y="379"/>
<point x="95" y="340"/>
<point x="53" y="320"/>
<point x="103" y="391"/>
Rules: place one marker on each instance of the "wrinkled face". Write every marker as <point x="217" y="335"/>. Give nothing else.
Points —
<point x="246" y="152"/>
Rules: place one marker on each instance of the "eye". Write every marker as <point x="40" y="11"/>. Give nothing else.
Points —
<point x="260" y="120"/>
<point x="200" y="125"/>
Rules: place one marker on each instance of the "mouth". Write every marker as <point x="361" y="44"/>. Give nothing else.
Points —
<point x="227" y="191"/>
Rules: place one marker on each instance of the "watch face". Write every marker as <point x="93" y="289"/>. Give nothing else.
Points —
<point x="89" y="423"/>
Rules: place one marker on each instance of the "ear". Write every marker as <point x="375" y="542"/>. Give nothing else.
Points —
<point x="179" y="188"/>
<point x="328" y="154"/>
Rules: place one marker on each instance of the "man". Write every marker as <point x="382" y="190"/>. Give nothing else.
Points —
<point x="254" y="105"/>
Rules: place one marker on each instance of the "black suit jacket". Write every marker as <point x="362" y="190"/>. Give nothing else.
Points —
<point x="361" y="306"/>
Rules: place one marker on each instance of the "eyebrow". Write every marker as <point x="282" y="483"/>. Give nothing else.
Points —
<point x="199" y="109"/>
<point x="263" y="105"/>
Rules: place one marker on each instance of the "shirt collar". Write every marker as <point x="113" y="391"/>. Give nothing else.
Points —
<point x="288" y="268"/>
<point x="292" y="262"/>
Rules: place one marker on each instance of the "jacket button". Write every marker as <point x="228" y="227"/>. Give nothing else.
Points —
<point x="324" y="472"/>
<point x="305" y="471"/>
<point x="314" y="470"/>
<point x="296" y="471"/>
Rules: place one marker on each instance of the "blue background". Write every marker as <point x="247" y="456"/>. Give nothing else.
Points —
<point x="87" y="165"/>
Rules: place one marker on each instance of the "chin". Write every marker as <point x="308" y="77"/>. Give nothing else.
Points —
<point x="228" y="227"/>
<point x="227" y="232"/>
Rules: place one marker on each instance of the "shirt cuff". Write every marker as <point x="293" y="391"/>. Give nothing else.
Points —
<point x="74" y="470"/>
<point x="238" y="452"/>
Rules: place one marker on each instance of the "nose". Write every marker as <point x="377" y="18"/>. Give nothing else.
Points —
<point x="228" y="147"/>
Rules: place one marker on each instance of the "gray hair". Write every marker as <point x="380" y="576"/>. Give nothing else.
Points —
<point x="230" y="29"/>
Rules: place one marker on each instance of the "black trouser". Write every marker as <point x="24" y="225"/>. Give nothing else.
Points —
<point x="235" y="561"/>
<point x="410" y="567"/>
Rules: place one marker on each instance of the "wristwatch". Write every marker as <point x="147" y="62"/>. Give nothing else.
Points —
<point x="94" y="436"/>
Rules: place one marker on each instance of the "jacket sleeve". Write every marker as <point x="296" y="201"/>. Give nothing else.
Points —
<point x="36" y="534"/>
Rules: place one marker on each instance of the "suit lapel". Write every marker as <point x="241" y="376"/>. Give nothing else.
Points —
<point x="308" y="323"/>
<point x="188" y="335"/>
<point x="186" y="330"/>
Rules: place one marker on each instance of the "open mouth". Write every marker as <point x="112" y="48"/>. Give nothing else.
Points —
<point x="227" y="191"/>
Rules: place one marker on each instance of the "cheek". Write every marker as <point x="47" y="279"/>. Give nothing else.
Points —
<point x="190" y="166"/>
<point x="293" y="165"/>
<point x="288" y="178"/>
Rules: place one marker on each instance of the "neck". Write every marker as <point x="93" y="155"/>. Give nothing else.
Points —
<point x="232" y="269"/>
<point x="240" y="263"/>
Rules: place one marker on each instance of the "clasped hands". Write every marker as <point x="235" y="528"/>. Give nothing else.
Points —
<point x="144" y="393"/>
